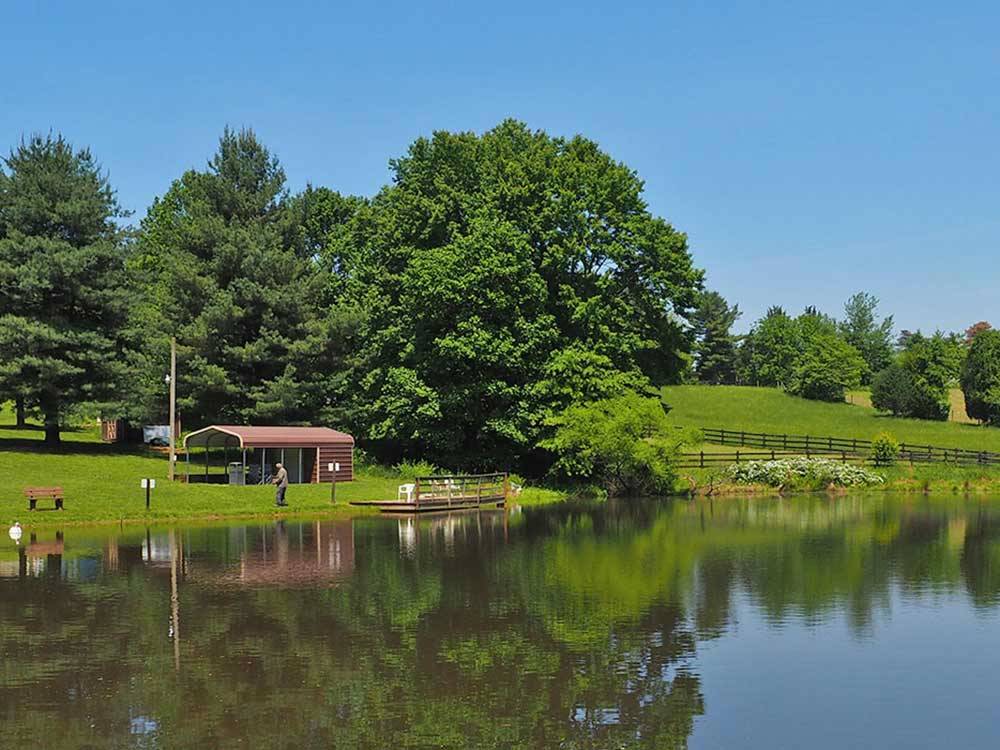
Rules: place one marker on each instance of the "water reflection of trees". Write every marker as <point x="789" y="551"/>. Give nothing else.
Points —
<point x="577" y="627"/>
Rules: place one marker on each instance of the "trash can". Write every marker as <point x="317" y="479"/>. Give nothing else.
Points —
<point x="236" y="475"/>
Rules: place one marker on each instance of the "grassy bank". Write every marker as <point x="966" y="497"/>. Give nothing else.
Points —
<point x="771" y="410"/>
<point x="101" y="484"/>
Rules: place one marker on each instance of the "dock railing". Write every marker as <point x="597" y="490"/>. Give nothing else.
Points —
<point x="461" y="489"/>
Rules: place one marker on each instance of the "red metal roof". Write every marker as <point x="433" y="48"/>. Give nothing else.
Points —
<point x="269" y="437"/>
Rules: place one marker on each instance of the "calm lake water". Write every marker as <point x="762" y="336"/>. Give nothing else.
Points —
<point x="799" y="623"/>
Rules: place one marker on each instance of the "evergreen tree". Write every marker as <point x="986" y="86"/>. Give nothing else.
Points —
<point x="232" y="266"/>
<point x="715" y="345"/>
<point x="62" y="293"/>
<point x="862" y="330"/>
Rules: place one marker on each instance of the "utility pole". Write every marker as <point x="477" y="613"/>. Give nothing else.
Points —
<point x="173" y="408"/>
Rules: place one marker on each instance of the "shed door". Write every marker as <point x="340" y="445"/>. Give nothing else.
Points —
<point x="292" y="459"/>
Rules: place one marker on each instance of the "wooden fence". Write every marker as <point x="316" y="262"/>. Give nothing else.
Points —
<point x="810" y="445"/>
<point x="703" y="460"/>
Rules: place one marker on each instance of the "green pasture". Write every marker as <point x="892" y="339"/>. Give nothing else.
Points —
<point x="771" y="410"/>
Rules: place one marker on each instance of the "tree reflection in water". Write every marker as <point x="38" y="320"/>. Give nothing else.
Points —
<point x="576" y="626"/>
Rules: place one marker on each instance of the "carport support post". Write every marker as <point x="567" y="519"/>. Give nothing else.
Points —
<point x="173" y="408"/>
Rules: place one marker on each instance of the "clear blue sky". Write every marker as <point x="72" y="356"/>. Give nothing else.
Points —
<point x="808" y="151"/>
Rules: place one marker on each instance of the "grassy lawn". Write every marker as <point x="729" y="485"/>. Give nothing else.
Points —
<point x="101" y="483"/>
<point x="771" y="410"/>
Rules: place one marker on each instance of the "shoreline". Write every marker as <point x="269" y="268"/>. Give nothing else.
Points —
<point x="952" y="484"/>
<point x="342" y="510"/>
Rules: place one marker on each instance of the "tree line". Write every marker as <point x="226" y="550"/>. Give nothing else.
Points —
<point x="817" y="356"/>
<point x="498" y="280"/>
<point x="508" y="299"/>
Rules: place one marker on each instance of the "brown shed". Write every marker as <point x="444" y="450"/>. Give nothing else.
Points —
<point x="249" y="453"/>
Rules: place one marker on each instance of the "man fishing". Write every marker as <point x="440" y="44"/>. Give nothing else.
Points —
<point x="281" y="480"/>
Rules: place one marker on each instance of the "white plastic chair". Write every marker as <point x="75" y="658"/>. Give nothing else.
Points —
<point x="405" y="492"/>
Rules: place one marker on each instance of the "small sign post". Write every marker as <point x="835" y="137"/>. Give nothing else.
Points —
<point x="147" y="484"/>
<point x="333" y="468"/>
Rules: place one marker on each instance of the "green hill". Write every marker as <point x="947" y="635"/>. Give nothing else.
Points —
<point x="772" y="410"/>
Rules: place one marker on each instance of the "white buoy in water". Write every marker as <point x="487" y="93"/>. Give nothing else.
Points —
<point x="15" y="532"/>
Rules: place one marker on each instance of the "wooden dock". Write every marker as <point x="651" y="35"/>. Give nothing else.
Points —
<point x="445" y="493"/>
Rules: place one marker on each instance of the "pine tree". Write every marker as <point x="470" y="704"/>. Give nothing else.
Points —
<point x="862" y="330"/>
<point x="62" y="283"/>
<point x="229" y="263"/>
<point x="715" y="345"/>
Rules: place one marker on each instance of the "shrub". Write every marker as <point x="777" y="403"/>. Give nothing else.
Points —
<point x="828" y="367"/>
<point x="903" y="393"/>
<point x="802" y="471"/>
<point x="981" y="378"/>
<point x="893" y="390"/>
<point x="884" y="449"/>
<point x="414" y="469"/>
<point x="624" y="444"/>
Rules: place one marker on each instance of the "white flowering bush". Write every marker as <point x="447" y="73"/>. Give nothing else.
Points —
<point x="801" y="470"/>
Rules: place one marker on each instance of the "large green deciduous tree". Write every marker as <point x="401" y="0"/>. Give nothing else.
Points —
<point x="715" y="345"/>
<point x="231" y="265"/>
<point x="862" y="330"/>
<point x="768" y="353"/>
<point x="828" y="367"/>
<point x="981" y="377"/>
<point x="62" y="296"/>
<point x="506" y="276"/>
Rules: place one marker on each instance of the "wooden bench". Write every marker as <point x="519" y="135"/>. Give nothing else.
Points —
<point x="34" y="494"/>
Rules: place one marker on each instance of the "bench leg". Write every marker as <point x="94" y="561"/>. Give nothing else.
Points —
<point x="59" y="505"/>
<point x="31" y="503"/>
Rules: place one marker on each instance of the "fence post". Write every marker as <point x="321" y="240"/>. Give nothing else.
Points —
<point x="807" y="445"/>
<point x="829" y="442"/>
<point x="772" y="454"/>
<point x="854" y="446"/>
<point x="737" y="455"/>
<point x="702" y="464"/>
<point x="784" y="442"/>
<point x="743" y="438"/>
<point x="722" y="434"/>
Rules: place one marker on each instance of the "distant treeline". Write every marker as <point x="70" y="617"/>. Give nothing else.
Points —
<point x="816" y="356"/>
<point x="499" y="279"/>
